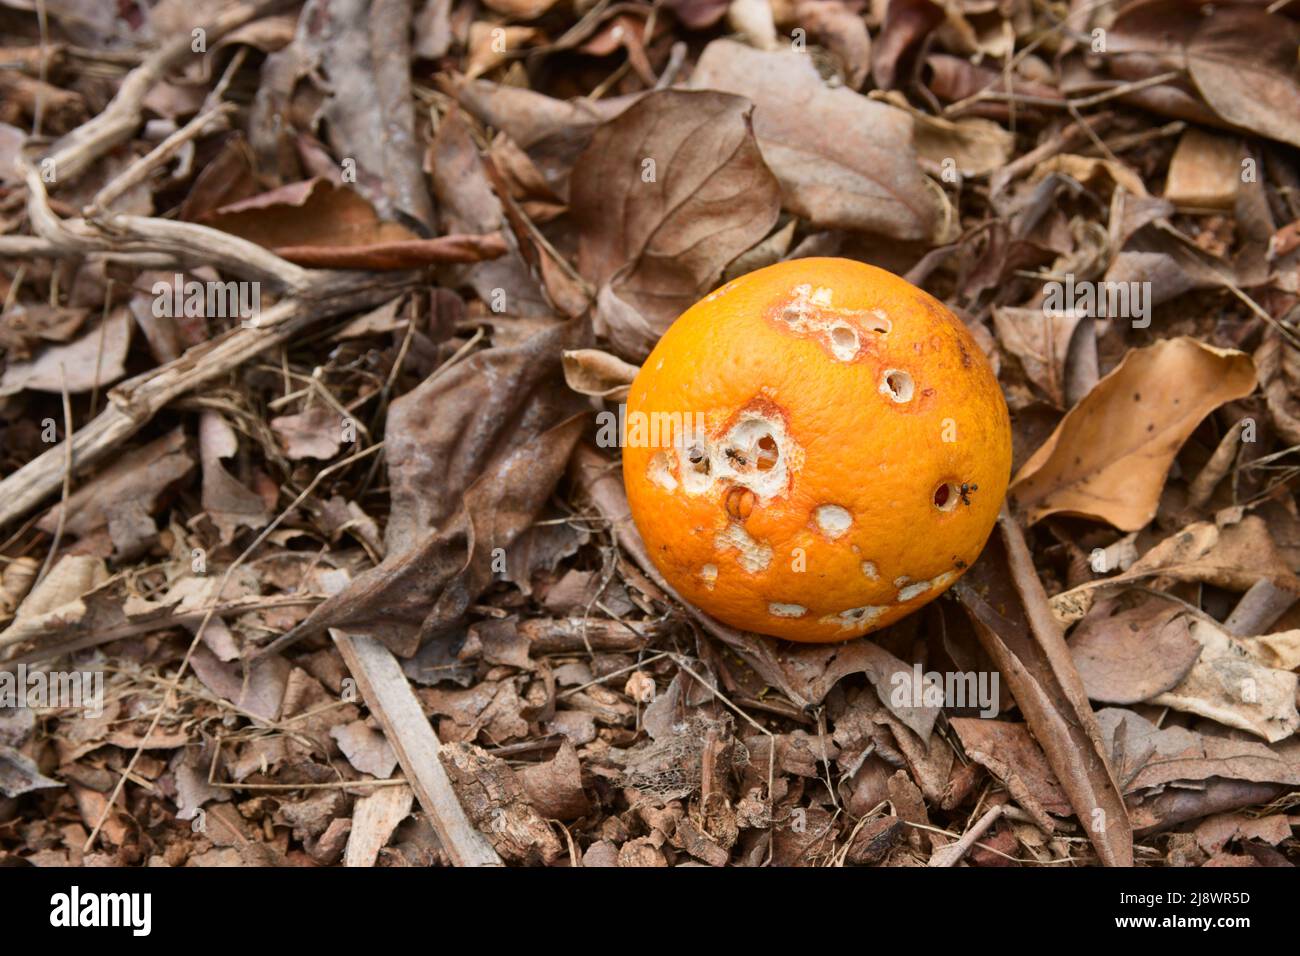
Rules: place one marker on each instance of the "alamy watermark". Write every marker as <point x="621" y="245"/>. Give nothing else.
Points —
<point x="955" y="689"/>
<point x="75" y="908"/>
<point x="214" y="300"/>
<point x="76" y="690"/>
<point x="647" y="429"/>
<point x="1099" y="300"/>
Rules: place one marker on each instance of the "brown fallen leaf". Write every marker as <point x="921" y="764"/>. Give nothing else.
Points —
<point x="1149" y="756"/>
<point x="842" y="31"/>
<point x="1011" y="754"/>
<point x="843" y="161"/>
<point x="94" y="360"/>
<point x="1128" y="656"/>
<point x="907" y="23"/>
<point x="350" y="59"/>
<point x="316" y="432"/>
<point x="1241" y="61"/>
<point x="666" y="195"/>
<point x="468" y="205"/>
<point x="1229" y="686"/>
<point x="555" y="787"/>
<point x="1041" y="342"/>
<point x="229" y="503"/>
<point x="1005" y="600"/>
<point x="473" y="454"/>
<point x="1235" y="556"/>
<point x="144" y="476"/>
<point x="552" y="132"/>
<point x="317" y="223"/>
<point x="1109" y="457"/>
<point x="366" y="748"/>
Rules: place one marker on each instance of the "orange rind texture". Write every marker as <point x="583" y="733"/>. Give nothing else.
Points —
<point x="815" y="450"/>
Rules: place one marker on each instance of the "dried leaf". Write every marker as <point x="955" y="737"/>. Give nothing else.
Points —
<point x="95" y="360"/>
<point x="1135" y="654"/>
<point x="1108" y="458"/>
<point x="843" y="161"/>
<point x="665" y="196"/>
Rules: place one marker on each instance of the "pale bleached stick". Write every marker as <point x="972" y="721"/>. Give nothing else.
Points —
<point x="388" y="694"/>
<point x="74" y="153"/>
<point x="133" y="403"/>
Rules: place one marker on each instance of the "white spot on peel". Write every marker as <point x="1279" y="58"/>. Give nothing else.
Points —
<point x="909" y="592"/>
<point x="754" y="557"/>
<point x="833" y="520"/>
<point x="942" y="581"/>
<point x="709" y="574"/>
<point x="901" y="581"/>
<point x="855" y="618"/>
<point x="822" y="296"/>
<point x="786" y="610"/>
<point x="913" y="591"/>
<point x="661" y="471"/>
<point x="871" y="571"/>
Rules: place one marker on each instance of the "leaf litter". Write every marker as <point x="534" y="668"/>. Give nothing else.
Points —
<point x="353" y="569"/>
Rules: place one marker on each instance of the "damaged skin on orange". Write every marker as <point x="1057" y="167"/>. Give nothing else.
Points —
<point x="815" y="450"/>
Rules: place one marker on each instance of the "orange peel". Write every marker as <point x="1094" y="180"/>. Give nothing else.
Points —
<point x="815" y="450"/>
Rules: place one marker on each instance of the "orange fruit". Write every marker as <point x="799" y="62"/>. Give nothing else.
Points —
<point x="815" y="450"/>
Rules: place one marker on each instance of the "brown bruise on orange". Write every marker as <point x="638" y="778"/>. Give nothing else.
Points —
<point x="767" y="362"/>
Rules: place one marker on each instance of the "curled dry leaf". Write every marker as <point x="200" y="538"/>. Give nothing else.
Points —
<point x="1234" y="555"/>
<point x="1149" y="756"/>
<point x="666" y="195"/>
<point x="597" y="373"/>
<point x="843" y="32"/>
<point x="843" y="161"/>
<point x="907" y="24"/>
<point x="1041" y="342"/>
<point x="1109" y="457"/>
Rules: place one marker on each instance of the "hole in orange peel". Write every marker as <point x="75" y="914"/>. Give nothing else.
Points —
<point x="897" y="385"/>
<point x="946" y="496"/>
<point x="844" y="342"/>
